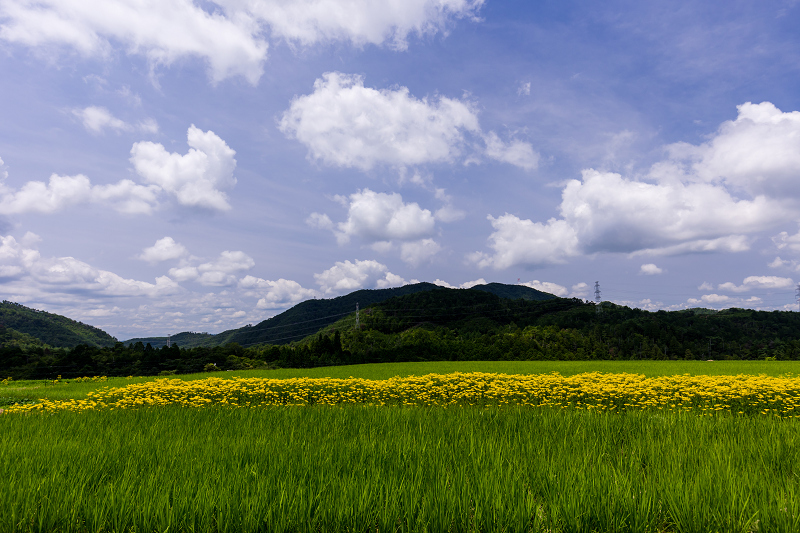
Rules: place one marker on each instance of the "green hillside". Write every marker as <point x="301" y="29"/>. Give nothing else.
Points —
<point x="514" y="292"/>
<point x="51" y="329"/>
<point x="306" y="318"/>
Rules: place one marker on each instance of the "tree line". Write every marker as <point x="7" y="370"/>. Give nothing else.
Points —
<point x="452" y="325"/>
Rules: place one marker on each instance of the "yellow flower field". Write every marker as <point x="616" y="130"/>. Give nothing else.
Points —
<point x="741" y="394"/>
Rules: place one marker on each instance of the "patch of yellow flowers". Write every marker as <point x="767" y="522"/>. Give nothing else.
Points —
<point x="741" y="394"/>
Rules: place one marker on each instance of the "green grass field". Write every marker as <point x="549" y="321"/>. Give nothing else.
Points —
<point x="365" y="468"/>
<point x="396" y="469"/>
<point x="32" y="390"/>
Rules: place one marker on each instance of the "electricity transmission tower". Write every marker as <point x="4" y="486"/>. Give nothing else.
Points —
<point x="598" y="309"/>
<point x="357" y="322"/>
<point x="797" y="295"/>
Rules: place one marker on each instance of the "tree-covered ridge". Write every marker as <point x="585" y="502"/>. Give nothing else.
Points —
<point x="306" y="318"/>
<point x="52" y="329"/>
<point x="451" y="324"/>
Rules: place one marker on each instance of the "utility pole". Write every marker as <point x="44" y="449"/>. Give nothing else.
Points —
<point x="358" y="326"/>
<point x="598" y="309"/>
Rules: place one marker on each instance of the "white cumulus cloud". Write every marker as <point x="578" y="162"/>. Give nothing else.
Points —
<point x="196" y="178"/>
<point x="465" y="285"/>
<point x="343" y="123"/>
<point x="547" y="286"/>
<point x="220" y="272"/>
<point x="375" y="216"/>
<point x="711" y="197"/>
<point x="358" y="21"/>
<point x="758" y="152"/>
<point x="65" y="191"/>
<point x="163" y="31"/>
<point x="381" y="220"/>
<point x="650" y="269"/>
<point x="345" y="276"/>
<point x="758" y="282"/>
<point x="278" y="294"/>
<point x="229" y="35"/>
<point x="417" y="252"/>
<point x="163" y="250"/>
<point x="26" y="272"/>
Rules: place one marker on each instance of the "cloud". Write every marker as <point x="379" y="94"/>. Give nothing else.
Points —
<point x="778" y="263"/>
<point x="346" y="276"/>
<point x="60" y="192"/>
<point x="758" y="282"/>
<point x="788" y="242"/>
<point x="3" y="172"/>
<point x="229" y="35"/>
<point x="546" y="286"/>
<point x="417" y="252"/>
<point x="465" y="285"/>
<point x="278" y="294"/>
<point x="196" y="178"/>
<point x="517" y="153"/>
<point x="758" y="152"/>
<point x="382" y="219"/>
<point x="605" y="212"/>
<point x="524" y="89"/>
<point x="26" y="272"/>
<point x="711" y="299"/>
<point x="360" y="21"/>
<point x="218" y="273"/>
<point x="579" y="290"/>
<point x="320" y="221"/>
<point x="163" y="31"/>
<point x="375" y="216"/>
<point x="163" y="250"/>
<point x="650" y="269"/>
<point x="516" y="241"/>
<point x="723" y="301"/>
<point x="447" y="213"/>
<point x="702" y="198"/>
<point x="96" y="119"/>
<point x="345" y="124"/>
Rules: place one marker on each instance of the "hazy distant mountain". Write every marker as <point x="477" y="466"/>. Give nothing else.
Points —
<point x="54" y="330"/>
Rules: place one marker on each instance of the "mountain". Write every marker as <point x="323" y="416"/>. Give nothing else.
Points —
<point x="306" y="318"/>
<point x="187" y="339"/>
<point x="51" y="329"/>
<point x="514" y="292"/>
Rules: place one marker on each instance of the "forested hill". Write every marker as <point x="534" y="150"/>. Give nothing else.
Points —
<point x="311" y="316"/>
<point x="446" y="324"/>
<point x="48" y="328"/>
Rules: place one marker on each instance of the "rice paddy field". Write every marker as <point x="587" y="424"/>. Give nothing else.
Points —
<point x="502" y="446"/>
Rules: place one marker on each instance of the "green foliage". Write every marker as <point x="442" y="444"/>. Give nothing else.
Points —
<point x="362" y="468"/>
<point x="308" y="317"/>
<point x="51" y="329"/>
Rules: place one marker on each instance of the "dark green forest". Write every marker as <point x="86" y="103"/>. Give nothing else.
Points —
<point x="445" y="324"/>
<point x="310" y="316"/>
<point x="51" y="329"/>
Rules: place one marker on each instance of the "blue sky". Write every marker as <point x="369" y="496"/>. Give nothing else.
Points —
<point x="177" y="165"/>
